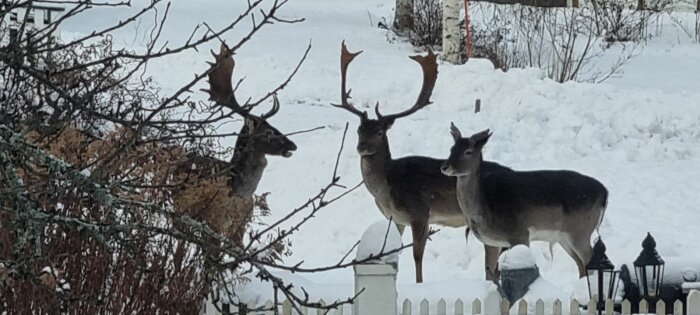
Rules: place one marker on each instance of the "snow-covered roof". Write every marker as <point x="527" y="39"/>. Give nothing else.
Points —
<point x="47" y="5"/>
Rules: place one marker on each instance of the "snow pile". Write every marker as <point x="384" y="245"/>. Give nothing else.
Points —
<point x="518" y="257"/>
<point x="379" y="238"/>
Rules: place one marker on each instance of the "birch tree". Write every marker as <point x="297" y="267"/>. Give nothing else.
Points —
<point x="451" y="37"/>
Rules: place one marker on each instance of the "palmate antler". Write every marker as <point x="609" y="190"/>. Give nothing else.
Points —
<point x="346" y="58"/>
<point x="221" y="90"/>
<point x="429" y="65"/>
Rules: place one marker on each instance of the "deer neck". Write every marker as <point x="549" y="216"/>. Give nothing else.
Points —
<point x="374" y="171"/>
<point x="247" y="167"/>
<point x="470" y="196"/>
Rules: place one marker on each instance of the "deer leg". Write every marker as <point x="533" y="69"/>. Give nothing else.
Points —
<point x="569" y="247"/>
<point x="491" y="262"/>
<point x="420" y="237"/>
<point x="584" y="252"/>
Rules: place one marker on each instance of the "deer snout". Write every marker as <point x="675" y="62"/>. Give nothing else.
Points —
<point x="289" y="148"/>
<point x="363" y="149"/>
<point x="447" y="169"/>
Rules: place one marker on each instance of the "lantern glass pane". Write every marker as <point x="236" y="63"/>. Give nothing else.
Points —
<point x="653" y="281"/>
<point x="592" y="278"/>
<point x="639" y="272"/>
<point x="612" y="284"/>
<point x="606" y="283"/>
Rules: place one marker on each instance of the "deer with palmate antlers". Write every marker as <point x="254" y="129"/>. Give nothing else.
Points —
<point x="256" y="140"/>
<point x="506" y="207"/>
<point x="411" y="190"/>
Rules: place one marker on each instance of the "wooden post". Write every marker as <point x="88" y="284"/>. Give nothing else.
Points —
<point x="492" y="302"/>
<point x="424" y="307"/>
<point x="379" y="284"/>
<point x="573" y="307"/>
<point x="693" y="302"/>
<point x="477" y="105"/>
<point x="442" y="307"/>
<point x="406" y="307"/>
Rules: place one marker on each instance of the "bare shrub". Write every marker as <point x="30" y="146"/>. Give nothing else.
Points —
<point x="620" y="21"/>
<point x="561" y="41"/>
<point x="427" y="23"/>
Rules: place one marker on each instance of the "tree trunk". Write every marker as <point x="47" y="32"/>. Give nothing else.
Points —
<point x="451" y="51"/>
<point x="403" y="21"/>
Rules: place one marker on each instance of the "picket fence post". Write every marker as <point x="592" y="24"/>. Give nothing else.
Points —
<point x="626" y="307"/>
<point x="693" y="302"/>
<point x="459" y="307"/>
<point x="376" y="286"/>
<point x="556" y="308"/>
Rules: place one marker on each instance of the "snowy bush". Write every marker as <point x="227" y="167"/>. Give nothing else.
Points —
<point x="564" y="42"/>
<point x="620" y="21"/>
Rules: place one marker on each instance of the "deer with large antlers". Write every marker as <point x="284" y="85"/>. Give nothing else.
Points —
<point x="507" y="207"/>
<point x="256" y="140"/>
<point x="411" y="190"/>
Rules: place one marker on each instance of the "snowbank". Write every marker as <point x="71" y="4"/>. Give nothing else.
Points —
<point x="379" y="238"/>
<point x="518" y="257"/>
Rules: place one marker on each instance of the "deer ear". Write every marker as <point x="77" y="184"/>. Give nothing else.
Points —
<point x="250" y="124"/>
<point x="481" y="138"/>
<point x="454" y="131"/>
<point x="388" y="122"/>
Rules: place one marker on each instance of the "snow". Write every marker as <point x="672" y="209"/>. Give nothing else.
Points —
<point x="518" y="257"/>
<point x="379" y="238"/>
<point x="547" y="292"/>
<point x="639" y="134"/>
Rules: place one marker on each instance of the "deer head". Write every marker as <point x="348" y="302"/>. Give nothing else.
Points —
<point x="372" y="132"/>
<point x="258" y="134"/>
<point x="465" y="154"/>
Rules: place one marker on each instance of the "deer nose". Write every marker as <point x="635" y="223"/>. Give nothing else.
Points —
<point x="444" y="167"/>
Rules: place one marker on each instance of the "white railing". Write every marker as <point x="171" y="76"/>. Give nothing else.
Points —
<point x="375" y="279"/>
<point x="502" y="308"/>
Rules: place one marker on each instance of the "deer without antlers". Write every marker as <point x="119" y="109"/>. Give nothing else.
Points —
<point x="411" y="190"/>
<point x="506" y="207"/>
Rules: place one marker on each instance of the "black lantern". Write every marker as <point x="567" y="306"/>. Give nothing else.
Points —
<point x="649" y="269"/>
<point x="601" y="275"/>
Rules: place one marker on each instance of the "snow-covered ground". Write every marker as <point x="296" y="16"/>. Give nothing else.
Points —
<point x="639" y="134"/>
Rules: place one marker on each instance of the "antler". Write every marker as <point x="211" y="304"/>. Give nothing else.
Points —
<point x="275" y="108"/>
<point x="429" y="65"/>
<point x="220" y="88"/>
<point x="346" y="58"/>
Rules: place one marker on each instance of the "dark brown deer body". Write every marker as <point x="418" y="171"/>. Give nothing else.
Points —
<point x="507" y="207"/>
<point x="411" y="190"/>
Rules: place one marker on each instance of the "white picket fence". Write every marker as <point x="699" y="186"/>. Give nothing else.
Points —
<point x="692" y="307"/>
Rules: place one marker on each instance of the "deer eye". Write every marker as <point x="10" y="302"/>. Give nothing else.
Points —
<point x="380" y="132"/>
<point x="468" y="153"/>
